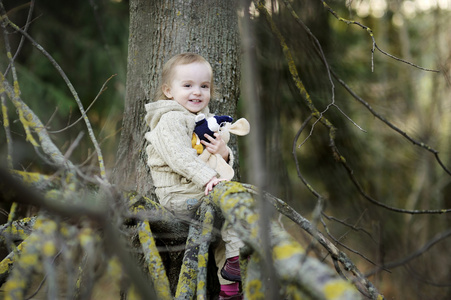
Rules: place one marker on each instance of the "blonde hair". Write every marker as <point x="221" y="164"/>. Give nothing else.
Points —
<point x="169" y="67"/>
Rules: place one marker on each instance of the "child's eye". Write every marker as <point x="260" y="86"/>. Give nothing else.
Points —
<point x="205" y="86"/>
<point x="187" y="85"/>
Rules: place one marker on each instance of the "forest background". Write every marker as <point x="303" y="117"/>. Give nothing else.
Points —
<point x="89" y="40"/>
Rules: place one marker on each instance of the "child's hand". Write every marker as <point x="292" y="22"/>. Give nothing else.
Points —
<point x="214" y="181"/>
<point x="216" y="146"/>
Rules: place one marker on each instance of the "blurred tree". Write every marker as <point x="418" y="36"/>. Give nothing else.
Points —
<point x="404" y="101"/>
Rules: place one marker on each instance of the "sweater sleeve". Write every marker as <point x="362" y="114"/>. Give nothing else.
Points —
<point x="171" y="140"/>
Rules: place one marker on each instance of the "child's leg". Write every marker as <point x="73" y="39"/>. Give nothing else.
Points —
<point x="229" y="289"/>
<point x="230" y="292"/>
<point x="182" y="203"/>
<point x="231" y="267"/>
<point x="233" y="243"/>
<point x="220" y="260"/>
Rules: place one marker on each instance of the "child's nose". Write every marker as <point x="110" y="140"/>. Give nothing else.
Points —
<point x="196" y="91"/>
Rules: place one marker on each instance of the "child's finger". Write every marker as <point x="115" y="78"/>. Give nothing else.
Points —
<point x="210" y="185"/>
<point x="206" y="144"/>
<point x="210" y="138"/>
<point x="208" y="188"/>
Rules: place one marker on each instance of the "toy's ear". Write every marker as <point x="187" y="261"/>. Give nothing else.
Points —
<point x="240" y="127"/>
<point x="199" y="117"/>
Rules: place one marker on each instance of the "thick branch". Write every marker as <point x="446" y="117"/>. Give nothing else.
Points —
<point x="293" y="267"/>
<point x="335" y="253"/>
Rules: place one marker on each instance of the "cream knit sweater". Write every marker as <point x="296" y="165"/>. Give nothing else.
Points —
<point x="175" y="166"/>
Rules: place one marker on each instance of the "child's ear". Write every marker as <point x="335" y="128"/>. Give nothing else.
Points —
<point x="167" y="91"/>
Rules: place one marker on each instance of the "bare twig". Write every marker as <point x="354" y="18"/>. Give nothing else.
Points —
<point x="362" y="283"/>
<point x="102" y="89"/>
<point x="332" y="129"/>
<point x="22" y="39"/>
<point x="375" y="46"/>
<point x="74" y="145"/>
<point x="321" y="55"/>
<point x="71" y="88"/>
<point x="394" y="264"/>
<point x="338" y="242"/>
<point x="9" y="140"/>
<point x="14" y="93"/>
<point x="51" y="118"/>
<point x="389" y="124"/>
<point x="388" y="207"/>
<point x="46" y="143"/>
<point x="353" y="227"/>
<point x="424" y="278"/>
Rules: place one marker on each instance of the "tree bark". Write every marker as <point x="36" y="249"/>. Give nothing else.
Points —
<point x="159" y="30"/>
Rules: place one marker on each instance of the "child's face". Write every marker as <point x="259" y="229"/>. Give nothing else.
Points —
<point x="190" y="86"/>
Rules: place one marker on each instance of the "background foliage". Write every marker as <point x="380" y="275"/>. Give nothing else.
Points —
<point x="89" y="40"/>
<point x="387" y="166"/>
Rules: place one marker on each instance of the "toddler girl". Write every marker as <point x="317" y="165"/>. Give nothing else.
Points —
<point x="180" y="177"/>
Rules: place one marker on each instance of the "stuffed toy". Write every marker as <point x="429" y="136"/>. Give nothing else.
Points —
<point x="222" y="125"/>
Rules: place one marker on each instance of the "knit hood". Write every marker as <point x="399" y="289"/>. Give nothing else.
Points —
<point x="158" y="108"/>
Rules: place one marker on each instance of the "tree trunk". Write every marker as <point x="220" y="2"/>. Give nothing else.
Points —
<point x="159" y="30"/>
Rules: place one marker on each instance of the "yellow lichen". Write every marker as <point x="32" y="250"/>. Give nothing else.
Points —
<point x="49" y="227"/>
<point x="38" y="223"/>
<point x="186" y="281"/>
<point x="143" y="237"/>
<point x="5" y="114"/>
<point x="52" y="194"/>
<point x="294" y="293"/>
<point x="202" y="261"/>
<point x="5" y="265"/>
<point x="85" y="237"/>
<point x="254" y="289"/>
<point x="154" y="264"/>
<point x="64" y="230"/>
<point x="132" y="294"/>
<point x="30" y="177"/>
<point x="252" y="219"/>
<point x="13" y="289"/>
<point x="230" y="203"/>
<point x="114" y="267"/>
<point x="254" y="232"/>
<point x="29" y="259"/>
<point x="17" y="229"/>
<point x="49" y="248"/>
<point x="287" y="250"/>
<point x="336" y="289"/>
